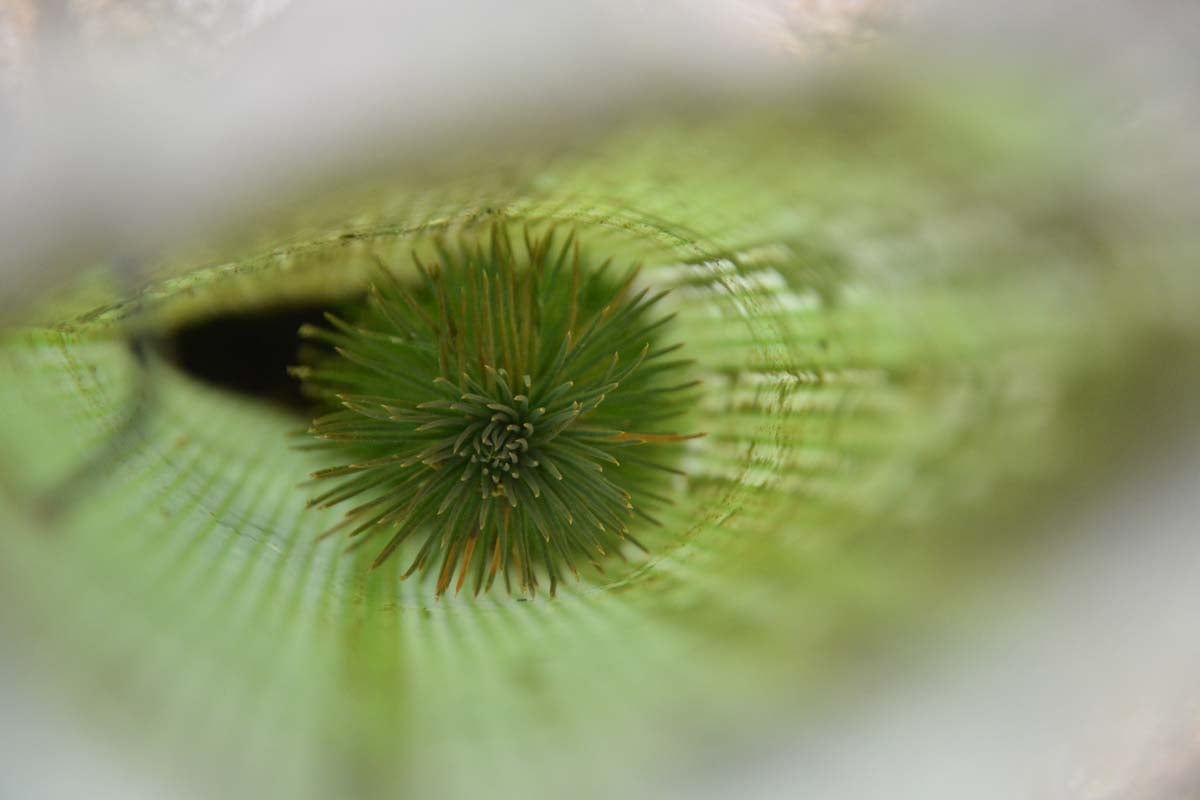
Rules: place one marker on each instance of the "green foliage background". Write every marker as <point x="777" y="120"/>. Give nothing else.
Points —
<point x="921" y="322"/>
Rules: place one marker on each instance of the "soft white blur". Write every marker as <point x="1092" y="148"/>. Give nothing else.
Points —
<point x="119" y="149"/>
<point x="1085" y="686"/>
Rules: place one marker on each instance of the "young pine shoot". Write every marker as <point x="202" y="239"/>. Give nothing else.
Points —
<point x="509" y="412"/>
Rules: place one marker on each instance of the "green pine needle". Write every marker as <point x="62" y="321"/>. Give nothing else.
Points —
<point x="488" y="410"/>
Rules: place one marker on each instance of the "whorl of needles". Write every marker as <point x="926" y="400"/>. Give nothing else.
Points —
<point x="506" y="410"/>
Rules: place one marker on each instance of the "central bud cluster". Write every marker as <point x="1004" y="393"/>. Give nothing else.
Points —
<point x="499" y="449"/>
<point x="503" y="447"/>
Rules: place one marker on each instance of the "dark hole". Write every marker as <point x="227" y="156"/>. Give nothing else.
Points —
<point x="248" y="353"/>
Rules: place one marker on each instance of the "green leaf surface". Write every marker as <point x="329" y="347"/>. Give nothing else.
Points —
<point x="920" y="325"/>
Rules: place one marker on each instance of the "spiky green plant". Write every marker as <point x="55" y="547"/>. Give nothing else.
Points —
<point x="918" y="335"/>
<point x="510" y="410"/>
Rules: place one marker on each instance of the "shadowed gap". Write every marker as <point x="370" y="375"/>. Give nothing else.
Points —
<point x="248" y="352"/>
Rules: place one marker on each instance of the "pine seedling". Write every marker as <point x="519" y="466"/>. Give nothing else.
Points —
<point x="509" y="412"/>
